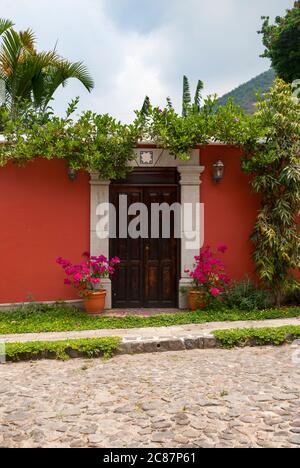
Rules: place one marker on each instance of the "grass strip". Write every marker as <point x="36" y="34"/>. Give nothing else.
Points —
<point x="104" y="347"/>
<point x="58" y="318"/>
<point x="257" y="336"/>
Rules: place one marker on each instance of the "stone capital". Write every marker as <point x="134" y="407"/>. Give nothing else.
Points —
<point x="190" y="175"/>
<point x="95" y="179"/>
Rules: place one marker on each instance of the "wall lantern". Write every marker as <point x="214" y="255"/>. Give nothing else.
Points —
<point x="72" y="174"/>
<point x="218" y="171"/>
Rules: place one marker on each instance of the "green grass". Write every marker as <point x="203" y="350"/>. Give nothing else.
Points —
<point x="89" y="347"/>
<point x="45" y="318"/>
<point x="257" y="337"/>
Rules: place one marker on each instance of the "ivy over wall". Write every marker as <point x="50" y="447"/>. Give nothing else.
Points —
<point x="270" y="140"/>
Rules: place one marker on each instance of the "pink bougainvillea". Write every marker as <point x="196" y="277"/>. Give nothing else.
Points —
<point x="209" y="274"/>
<point x="88" y="274"/>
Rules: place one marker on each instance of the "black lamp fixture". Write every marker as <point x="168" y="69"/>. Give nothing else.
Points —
<point x="72" y="174"/>
<point x="218" y="171"/>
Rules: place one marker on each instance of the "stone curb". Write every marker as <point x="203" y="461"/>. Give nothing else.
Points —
<point x="130" y="345"/>
<point x="139" y="345"/>
<point x="163" y="344"/>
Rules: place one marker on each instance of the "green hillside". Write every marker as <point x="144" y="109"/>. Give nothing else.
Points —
<point x="245" y="94"/>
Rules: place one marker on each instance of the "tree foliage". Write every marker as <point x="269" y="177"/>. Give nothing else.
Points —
<point x="180" y="134"/>
<point x="187" y="103"/>
<point x="32" y="77"/>
<point x="275" y="166"/>
<point x="187" y="99"/>
<point x="146" y="106"/>
<point x="282" y="43"/>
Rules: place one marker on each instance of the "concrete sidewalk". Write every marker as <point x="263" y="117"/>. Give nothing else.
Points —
<point x="149" y="334"/>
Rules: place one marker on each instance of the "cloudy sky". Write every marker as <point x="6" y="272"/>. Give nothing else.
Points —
<point x="138" y="47"/>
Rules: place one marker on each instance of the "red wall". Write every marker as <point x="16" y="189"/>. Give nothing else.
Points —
<point x="42" y="215"/>
<point x="230" y="208"/>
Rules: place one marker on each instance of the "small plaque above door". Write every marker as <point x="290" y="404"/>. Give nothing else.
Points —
<point x="146" y="158"/>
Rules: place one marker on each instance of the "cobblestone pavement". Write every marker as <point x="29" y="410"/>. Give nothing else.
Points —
<point x="202" y="398"/>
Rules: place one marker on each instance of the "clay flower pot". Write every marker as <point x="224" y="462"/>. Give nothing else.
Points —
<point x="94" y="302"/>
<point x="197" y="300"/>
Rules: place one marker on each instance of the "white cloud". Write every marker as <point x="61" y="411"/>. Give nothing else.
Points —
<point x="134" y="48"/>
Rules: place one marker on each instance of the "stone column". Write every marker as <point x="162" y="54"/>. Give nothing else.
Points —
<point x="99" y="245"/>
<point x="190" y="193"/>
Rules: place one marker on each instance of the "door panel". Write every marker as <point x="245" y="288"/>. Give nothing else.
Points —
<point x="148" y="273"/>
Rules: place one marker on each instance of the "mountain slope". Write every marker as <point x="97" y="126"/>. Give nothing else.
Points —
<point x="245" y="94"/>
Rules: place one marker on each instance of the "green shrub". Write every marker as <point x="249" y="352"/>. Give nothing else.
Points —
<point x="257" y="336"/>
<point x="88" y="347"/>
<point x="246" y="295"/>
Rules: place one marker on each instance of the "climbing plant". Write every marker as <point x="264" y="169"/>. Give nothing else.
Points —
<point x="100" y="143"/>
<point x="93" y="142"/>
<point x="275" y="166"/>
<point x="180" y="134"/>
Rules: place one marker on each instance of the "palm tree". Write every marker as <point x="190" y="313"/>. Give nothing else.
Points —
<point x="186" y="97"/>
<point x="187" y="104"/>
<point x="146" y="106"/>
<point x="31" y="76"/>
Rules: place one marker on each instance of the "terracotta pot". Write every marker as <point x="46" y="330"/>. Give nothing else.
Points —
<point x="197" y="300"/>
<point x="94" y="302"/>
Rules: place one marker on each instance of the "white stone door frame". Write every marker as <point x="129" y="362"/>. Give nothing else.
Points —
<point x="190" y="172"/>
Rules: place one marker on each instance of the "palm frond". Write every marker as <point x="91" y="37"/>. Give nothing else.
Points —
<point x="198" y="97"/>
<point x="58" y="74"/>
<point x="5" y="25"/>
<point x="28" y="39"/>
<point x="32" y="76"/>
<point x="169" y="103"/>
<point x="76" y="70"/>
<point x="146" y="106"/>
<point x="11" y="49"/>
<point x="186" y="96"/>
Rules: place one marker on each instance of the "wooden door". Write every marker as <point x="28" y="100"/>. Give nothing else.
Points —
<point x="148" y="273"/>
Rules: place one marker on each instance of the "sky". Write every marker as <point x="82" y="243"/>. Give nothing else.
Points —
<point x="138" y="47"/>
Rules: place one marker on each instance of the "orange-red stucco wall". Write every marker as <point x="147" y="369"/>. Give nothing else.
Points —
<point x="42" y="215"/>
<point x="230" y="208"/>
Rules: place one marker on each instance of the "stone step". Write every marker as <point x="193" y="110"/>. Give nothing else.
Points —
<point x="132" y="345"/>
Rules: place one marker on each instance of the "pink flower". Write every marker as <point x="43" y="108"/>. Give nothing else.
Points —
<point x="77" y="277"/>
<point x="88" y="273"/>
<point x="222" y="248"/>
<point x="70" y="270"/>
<point x="115" y="261"/>
<point x="215" y="292"/>
<point x="95" y="280"/>
<point x="86" y="254"/>
<point x="100" y="259"/>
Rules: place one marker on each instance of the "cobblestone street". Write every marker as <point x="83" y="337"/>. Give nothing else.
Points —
<point x="203" y="398"/>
